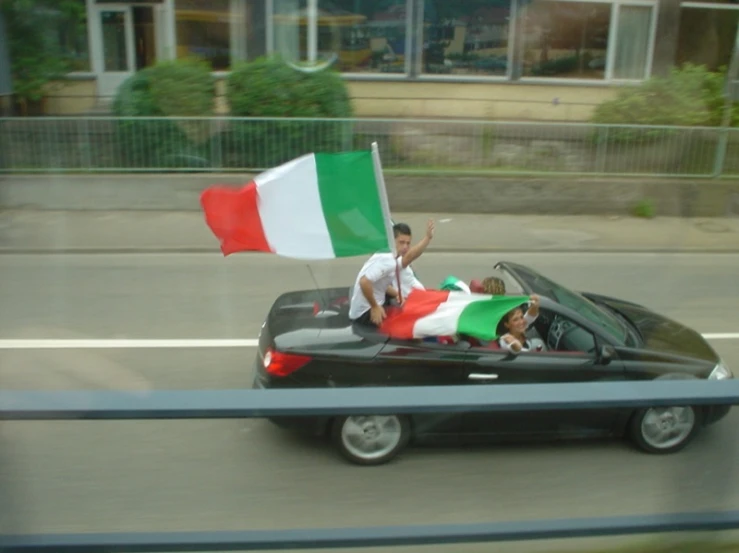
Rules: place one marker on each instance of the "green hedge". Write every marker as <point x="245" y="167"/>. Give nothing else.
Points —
<point x="688" y="96"/>
<point x="168" y="89"/>
<point x="264" y="88"/>
<point x="270" y="88"/>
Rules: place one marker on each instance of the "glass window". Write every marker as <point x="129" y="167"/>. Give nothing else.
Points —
<point x="632" y="42"/>
<point x="63" y="26"/>
<point x="707" y="36"/>
<point x="566" y="40"/>
<point x="466" y="37"/>
<point x="254" y="27"/>
<point x="204" y="31"/>
<point x="72" y="34"/>
<point x="356" y="36"/>
<point x="546" y="287"/>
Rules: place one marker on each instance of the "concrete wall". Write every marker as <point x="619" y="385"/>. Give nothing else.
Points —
<point x="700" y="198"/>
<point x="72" y="97"/>
<point x="489" y="101"/>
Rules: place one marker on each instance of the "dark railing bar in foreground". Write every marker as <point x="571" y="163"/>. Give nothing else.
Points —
<point x="219" y="404"/>
<point x="212" y="404"/>
<point x="381" y="536"/>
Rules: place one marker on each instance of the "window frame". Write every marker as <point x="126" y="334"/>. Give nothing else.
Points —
<point x="312" y="39"/>
<point x="713" y="6"/>
<point x="510" y="54"/>
<point x="414" y="37"/>
<point x="608" y="78"/>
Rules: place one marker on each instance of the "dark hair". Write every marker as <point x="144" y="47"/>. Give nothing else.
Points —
<point x="401" y="228"/>
<point x="507" y="317"/>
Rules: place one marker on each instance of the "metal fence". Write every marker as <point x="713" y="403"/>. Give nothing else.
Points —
<point x="108" y="405"/>
<point x="221" y="144"/>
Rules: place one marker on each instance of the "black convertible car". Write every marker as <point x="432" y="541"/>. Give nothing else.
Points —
<point x="308" y="341"/>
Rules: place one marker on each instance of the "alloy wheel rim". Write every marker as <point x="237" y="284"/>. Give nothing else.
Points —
<point x="371" y="437"/>
<point x="667" y="427"/>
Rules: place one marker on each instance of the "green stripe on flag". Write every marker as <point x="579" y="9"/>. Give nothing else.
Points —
<point x="480" y="318"/>
<point x="351" y="203"/>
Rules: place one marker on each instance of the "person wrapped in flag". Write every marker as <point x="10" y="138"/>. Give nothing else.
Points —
<point x="451" y="313"/>
<point x="513" y="327"/>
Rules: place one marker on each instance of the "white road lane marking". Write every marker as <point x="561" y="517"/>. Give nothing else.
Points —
<point x="126" y="344"/>
<point x="185" y="343"/>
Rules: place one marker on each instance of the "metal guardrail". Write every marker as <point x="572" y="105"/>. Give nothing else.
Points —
<point x="269" y="540"/>
<point x="222" y="144"/>
<point x="108" y="405"/>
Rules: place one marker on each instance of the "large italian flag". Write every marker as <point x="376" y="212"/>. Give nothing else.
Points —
<point x="445" y="313"/>
<point x="318" y="206"/>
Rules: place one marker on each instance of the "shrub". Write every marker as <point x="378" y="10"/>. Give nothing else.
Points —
<point x="168" y="89"/>
<point x="678" y="99"/>
<point x="270" y="88"/>
<point x="36" y="63"/>
<point x="183" y="87"/>
<point x="688" y="96"/>
<point x="644" y="209"/>
<point x="714" y="84"/>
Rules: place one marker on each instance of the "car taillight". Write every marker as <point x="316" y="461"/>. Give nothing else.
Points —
<point x="278" y="363"/>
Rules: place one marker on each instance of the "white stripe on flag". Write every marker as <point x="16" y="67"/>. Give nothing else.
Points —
<point x="291" y="211"/>
<point x="444" y="320"/>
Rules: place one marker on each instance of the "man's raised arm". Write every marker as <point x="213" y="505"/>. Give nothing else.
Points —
<point x="415" y="252"/>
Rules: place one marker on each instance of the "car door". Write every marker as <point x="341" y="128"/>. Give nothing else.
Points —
<point x="495" y="368"/>
<point x="426" y="363"/>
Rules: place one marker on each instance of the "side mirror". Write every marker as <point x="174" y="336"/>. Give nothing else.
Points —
<point x="605" y="354"/>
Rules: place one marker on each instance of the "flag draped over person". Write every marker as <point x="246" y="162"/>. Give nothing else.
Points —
<point x="317" y="206"/>
<point x="428" y="313"/>
<point x="454" y="283"/>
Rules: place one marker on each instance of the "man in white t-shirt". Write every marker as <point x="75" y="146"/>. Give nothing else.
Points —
<point x="381" y="274"/>
<point x="409" y="282"/>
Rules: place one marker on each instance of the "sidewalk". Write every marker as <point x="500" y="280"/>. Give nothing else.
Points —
<point x="147" y="231"/>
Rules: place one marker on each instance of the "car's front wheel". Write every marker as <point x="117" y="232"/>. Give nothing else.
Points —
<point x="664" y="429"/>
<point x="370" y="439"/>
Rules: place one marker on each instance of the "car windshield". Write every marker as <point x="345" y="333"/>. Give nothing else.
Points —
<point x="545" y="287"/>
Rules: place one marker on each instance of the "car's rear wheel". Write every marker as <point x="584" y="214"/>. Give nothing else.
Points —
<point x="370" y="439"/>
<point x="665" y="429"/>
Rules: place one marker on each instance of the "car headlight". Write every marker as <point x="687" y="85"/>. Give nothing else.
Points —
<point x="720" y="372"/>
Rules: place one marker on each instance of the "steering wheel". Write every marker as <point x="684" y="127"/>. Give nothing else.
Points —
<point x="559" y="329"/>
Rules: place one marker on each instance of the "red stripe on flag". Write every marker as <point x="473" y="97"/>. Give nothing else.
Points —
<point x="419" y="303"/>
<point x="233" y="217"/>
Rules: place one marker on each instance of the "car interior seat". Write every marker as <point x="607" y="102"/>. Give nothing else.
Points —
<point x="476" y="286"/>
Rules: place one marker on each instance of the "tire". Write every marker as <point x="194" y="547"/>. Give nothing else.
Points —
<point x="663" y="430"/>
<point x="357" y="437"/>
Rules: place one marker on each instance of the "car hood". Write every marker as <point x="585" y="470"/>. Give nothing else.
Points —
<point x="662" y="334"/>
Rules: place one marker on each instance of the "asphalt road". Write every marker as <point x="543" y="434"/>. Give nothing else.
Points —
<point x="175" y="475"/>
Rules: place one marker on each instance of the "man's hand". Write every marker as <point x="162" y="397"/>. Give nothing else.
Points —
<point x="415" y="252"/>
<point x="430" y="226"/>
<point x="377" y="314"/>
<point x="534" y="299"/>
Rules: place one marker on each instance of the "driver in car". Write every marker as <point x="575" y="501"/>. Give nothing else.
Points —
<point x="515" y="323"/>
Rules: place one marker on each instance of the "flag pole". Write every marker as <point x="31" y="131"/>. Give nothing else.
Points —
<point x="380" y="181"/>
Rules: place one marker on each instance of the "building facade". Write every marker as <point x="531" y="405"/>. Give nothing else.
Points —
<point x="493" y="59"/>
